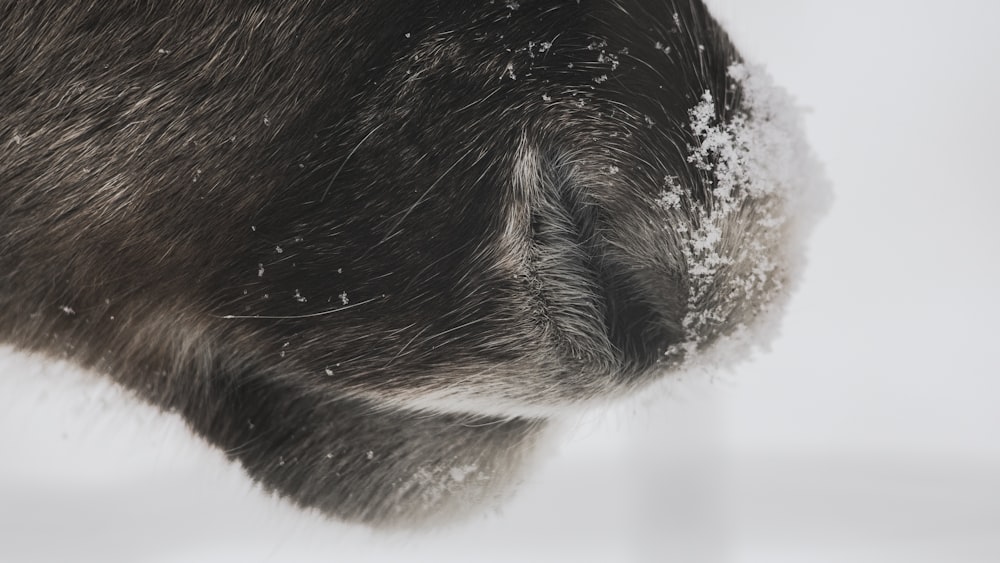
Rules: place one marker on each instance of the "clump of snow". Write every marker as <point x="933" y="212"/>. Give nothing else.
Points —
<point x="742" y="243"/>
<point x="458" y="474"/>
<point x="610" y="59"/>
<point x="670" y="198"/>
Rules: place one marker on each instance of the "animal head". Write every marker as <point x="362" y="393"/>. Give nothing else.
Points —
<point x="371" y="249"/>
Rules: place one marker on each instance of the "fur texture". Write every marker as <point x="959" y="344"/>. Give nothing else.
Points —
<point x="371" y="247"/>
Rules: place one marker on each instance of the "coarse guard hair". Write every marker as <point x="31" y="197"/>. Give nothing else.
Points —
<point x="371" y="249"/>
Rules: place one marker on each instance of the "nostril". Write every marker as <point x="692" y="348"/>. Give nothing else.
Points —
<point x="638" y="324"/>
<point x="640" y="321"/>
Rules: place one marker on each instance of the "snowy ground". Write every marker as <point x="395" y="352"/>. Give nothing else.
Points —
<point x="870" y="433"/>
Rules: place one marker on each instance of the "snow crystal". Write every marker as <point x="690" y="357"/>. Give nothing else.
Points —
<point x="458" y="474"/>
<point x="510" y="71"/>
<point x="597" y="44"/>
<point x="670" y="198"/>
<point x="609" y="58"/>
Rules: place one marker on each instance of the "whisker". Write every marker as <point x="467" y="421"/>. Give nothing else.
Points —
<point x="344" y="163"/>
<point x="306" y="316"/>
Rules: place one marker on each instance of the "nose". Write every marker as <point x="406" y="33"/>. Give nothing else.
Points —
<point x="604" y="310"/>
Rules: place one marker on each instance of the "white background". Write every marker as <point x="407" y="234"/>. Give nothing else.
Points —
<point x="869" y="433"/>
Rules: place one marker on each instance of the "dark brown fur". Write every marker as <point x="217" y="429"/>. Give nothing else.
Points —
<point x="296" y="223"/>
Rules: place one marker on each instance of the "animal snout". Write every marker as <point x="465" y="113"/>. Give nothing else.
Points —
<point x="604" y="308"/>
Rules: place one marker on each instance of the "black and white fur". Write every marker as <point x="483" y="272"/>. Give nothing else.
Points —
<point x="367" y="247"/>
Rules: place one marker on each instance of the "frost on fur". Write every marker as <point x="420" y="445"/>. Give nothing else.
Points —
<point x="761" y="183"/>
